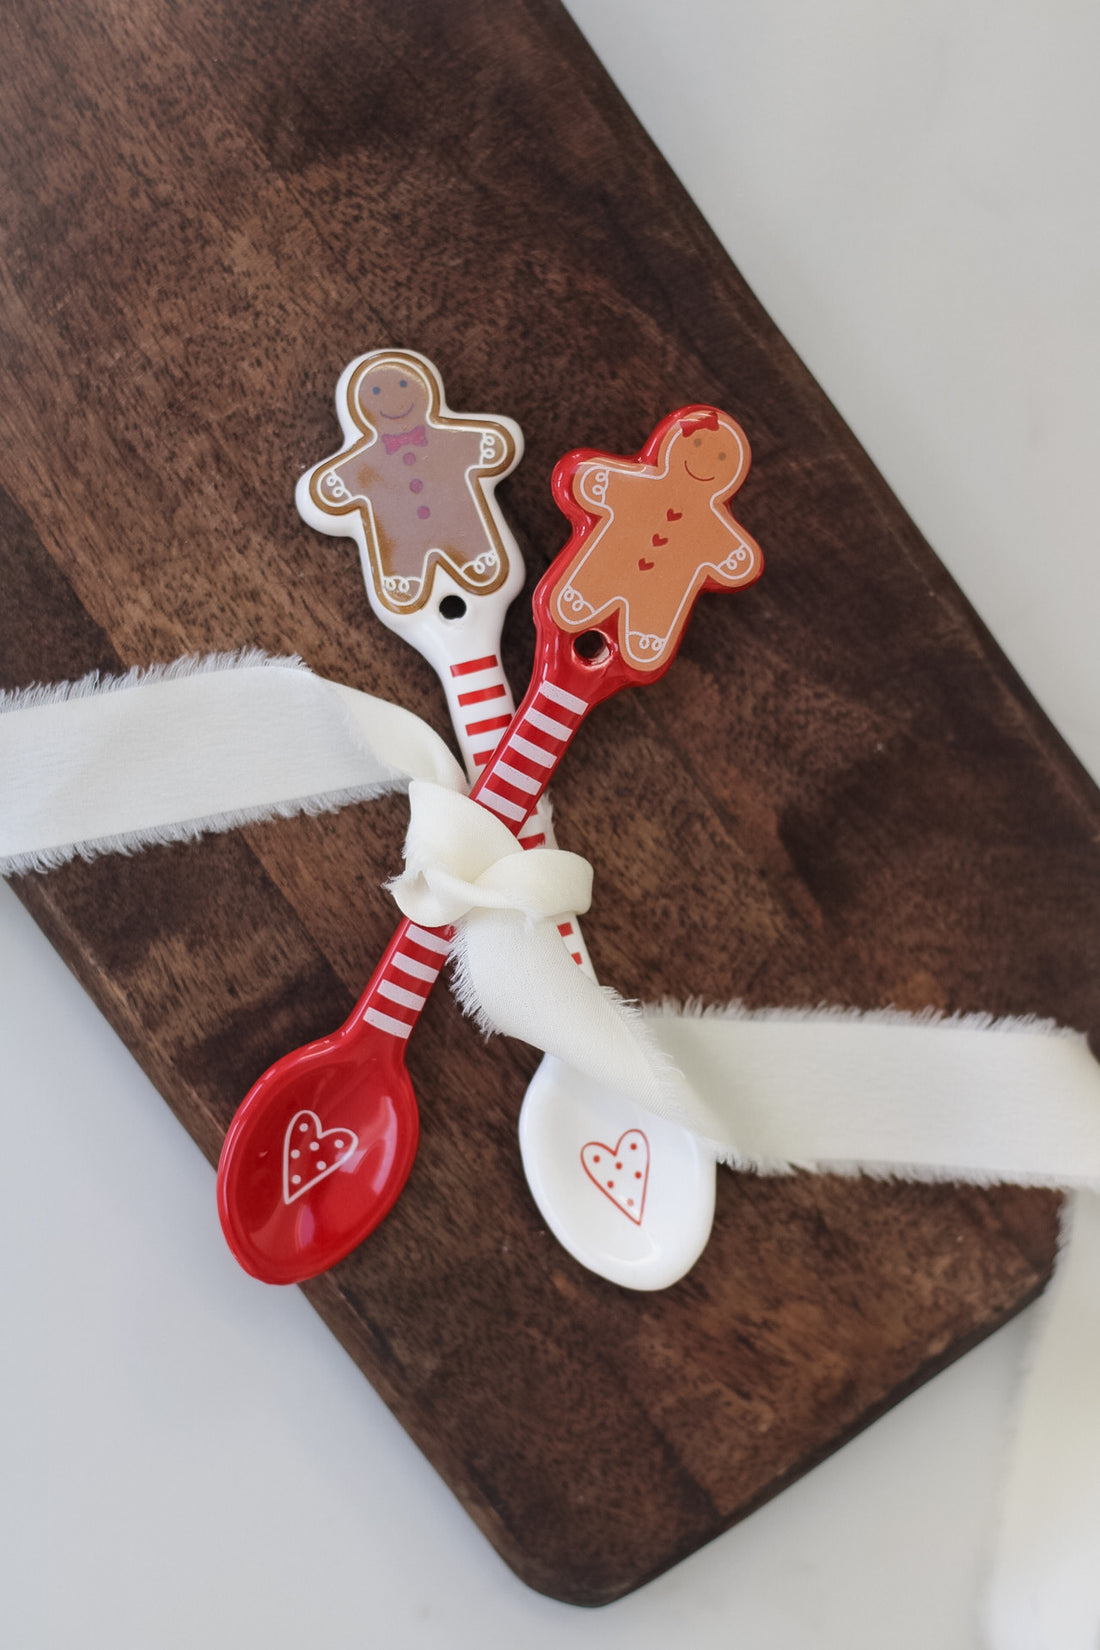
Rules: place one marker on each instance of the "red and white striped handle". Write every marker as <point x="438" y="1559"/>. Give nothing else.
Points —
<point x="524" y="762"/>
<point x="481" y="706"/>
<point x="511" y="784"/>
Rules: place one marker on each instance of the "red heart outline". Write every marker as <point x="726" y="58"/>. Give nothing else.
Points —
<point x="591" y="1162"/>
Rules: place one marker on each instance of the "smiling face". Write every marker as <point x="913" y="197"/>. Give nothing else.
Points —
<point x="393" y="396"/>
<point x="711" y="457"/>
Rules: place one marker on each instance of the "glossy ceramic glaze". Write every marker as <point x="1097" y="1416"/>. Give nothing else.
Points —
<point x="354" y="1082"/>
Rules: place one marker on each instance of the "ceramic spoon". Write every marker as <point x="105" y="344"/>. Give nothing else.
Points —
<point x="413" y="475"/>
<point x="322" y="1145"/>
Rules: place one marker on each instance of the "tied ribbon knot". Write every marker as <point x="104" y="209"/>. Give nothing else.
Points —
<point x="405" y="438"/>
<point x="459" y="858"/>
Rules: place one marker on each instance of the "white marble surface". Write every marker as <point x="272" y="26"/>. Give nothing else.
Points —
<point x="189" y="1459"/>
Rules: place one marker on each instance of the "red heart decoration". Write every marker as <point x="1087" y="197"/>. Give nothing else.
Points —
<point x="657" y="539"/>
<point x="674" y="515"/>
<point x="644" y="565"/>
<point x="311" y="1154"/>
<point x="621" y="1172"/>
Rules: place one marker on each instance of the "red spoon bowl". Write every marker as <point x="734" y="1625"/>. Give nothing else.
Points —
<point x="297" y="1193"/>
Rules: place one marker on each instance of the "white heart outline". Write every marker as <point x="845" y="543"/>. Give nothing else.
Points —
<point x="319" y="1134"/>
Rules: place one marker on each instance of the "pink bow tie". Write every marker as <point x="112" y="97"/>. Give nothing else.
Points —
<point x="406" y="438"/>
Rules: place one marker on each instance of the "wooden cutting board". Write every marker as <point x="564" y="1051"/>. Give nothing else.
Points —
<point x="841" y="792"/>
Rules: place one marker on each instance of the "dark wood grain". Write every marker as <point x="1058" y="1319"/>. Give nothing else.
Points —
<point x="841" y="793"/>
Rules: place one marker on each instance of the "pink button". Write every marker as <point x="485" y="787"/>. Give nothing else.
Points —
<point x="408" y="458"/>
<point x="423" y="512"/>
<point x="416" y="486"/>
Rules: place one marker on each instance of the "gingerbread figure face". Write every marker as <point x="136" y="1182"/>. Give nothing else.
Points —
<point x="417" y="482"/>
<point x="392" y="397"/>
<point x="662" y="530"/>
<point x="708" y="455"/>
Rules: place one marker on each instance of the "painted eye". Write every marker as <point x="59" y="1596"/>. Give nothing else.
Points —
<point x="721" y="458"/>
<point x="698" y="441"/>
<point x="404" y="383"/>
<point x="377" y="390"/>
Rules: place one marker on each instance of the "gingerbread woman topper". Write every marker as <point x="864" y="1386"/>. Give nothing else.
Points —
<point x="659" y="529"/>
<point x="414" y="482"/>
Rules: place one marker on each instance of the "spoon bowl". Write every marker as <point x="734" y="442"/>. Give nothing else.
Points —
<point x="630" y="1195"/>
<point x="319" y="1151"/>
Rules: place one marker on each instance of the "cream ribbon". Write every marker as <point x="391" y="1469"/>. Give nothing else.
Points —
<point x="207" y="744"/>
<point x="105" y="765"/>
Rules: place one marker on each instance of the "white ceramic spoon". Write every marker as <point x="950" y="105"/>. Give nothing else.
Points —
<point x="414" y="486"/>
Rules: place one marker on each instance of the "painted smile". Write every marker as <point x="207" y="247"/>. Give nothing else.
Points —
<point x="692" y="474"/>
<point x="392" y="416"/>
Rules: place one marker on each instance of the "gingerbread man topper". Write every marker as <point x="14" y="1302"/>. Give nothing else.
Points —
<point x="414" y="482"/>
<point x="655" y="529"/>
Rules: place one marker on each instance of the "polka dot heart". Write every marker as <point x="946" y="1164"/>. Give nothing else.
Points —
<point x="311" y="1154"/>
<point x="621" y="1172"/>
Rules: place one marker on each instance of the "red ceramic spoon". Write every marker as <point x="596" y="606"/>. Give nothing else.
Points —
<point x="323" y="1143"/>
